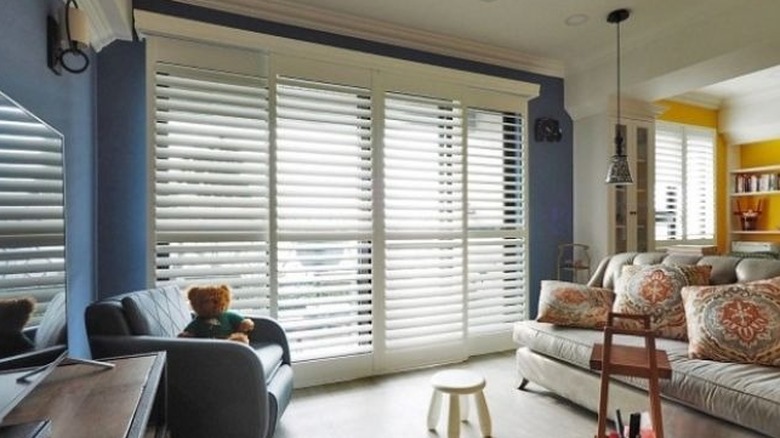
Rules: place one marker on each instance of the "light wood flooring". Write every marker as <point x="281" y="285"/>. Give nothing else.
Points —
<point x="396" y="406"/>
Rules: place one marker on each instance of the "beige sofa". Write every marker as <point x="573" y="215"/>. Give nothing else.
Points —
<point x="704" y="399"/>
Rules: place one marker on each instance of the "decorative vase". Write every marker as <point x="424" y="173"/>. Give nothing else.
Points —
<point x="748" y="222"/>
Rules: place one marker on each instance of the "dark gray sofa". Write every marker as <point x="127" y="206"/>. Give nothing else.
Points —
<point x="703" y="398"/>
<point x="216" y="388"/>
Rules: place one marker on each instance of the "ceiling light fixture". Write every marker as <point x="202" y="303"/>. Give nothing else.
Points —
<point x="576" y="19"/>
<point x="619" y="172"/>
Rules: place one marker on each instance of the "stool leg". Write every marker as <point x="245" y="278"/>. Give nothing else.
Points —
<point x="453" y="423"/>
<point x="434" y="409"/>
<point x="464" y="408"/>
<point x="484" y="415"/>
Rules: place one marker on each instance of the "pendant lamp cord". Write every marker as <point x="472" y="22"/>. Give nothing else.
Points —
<point x="618" y="135"/>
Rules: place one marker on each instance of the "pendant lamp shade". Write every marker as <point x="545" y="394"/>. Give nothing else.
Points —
<point x="619" y="171"/>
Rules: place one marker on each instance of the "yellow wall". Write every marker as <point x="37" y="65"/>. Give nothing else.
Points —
<point x="694" y="115"/>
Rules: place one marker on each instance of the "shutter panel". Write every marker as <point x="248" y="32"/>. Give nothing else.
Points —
<point x="684" y="184"/>
<point x="324" y="217"/>
<point x="32" y="222"/>
<point x="211" y="182"/>
<point x="669" y="190"/>
<point x="423" y="183"/>
<point x="700" y="184"/>
<point x="496" y="222"/>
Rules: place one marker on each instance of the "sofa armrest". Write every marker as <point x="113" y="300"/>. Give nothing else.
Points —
<point x="269" y="330"/>
<point x="204" y="376"/>
<point x="597" y="279"/>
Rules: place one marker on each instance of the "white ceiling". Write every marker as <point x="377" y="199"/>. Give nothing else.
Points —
<point x="536" y="28"/>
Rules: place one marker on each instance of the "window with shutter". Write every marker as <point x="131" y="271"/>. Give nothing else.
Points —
<point x="333" y="197"/>
<point x="324" y="217"/>
<point x="684" y="184"/>
<point x="211" y="181"/>
<point x="32" y="222"/>
<point x="423" y="184"/>
<point x="496" y="222"/>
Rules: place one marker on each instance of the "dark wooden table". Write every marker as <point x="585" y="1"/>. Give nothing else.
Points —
<point x="82" y="400"/>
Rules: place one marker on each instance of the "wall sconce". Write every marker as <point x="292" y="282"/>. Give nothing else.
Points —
<point x="66" y="46"/>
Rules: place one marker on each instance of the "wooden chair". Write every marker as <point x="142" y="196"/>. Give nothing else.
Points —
<point x="645" y="362"/>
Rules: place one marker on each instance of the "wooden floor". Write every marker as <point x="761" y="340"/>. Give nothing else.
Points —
<point x="396" y="406"/>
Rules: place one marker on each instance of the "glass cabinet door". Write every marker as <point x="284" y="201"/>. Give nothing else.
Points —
<point x="641" y="186"/>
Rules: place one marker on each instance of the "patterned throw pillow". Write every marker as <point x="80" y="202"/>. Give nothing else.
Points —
<point x="655" y="290"/>
<point x="574" y="305"/>
<point x="735" y="322"/>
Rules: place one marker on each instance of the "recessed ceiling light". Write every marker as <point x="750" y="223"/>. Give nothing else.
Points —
<point x="576" y="19"/>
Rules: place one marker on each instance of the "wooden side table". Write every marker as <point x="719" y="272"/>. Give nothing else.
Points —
<point x="644" y="362"/>
<point x="83" y="401"/>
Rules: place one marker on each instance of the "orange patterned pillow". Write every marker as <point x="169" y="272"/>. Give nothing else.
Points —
<point x="655" y="290"/>
<point x="574" y="305"/>
<point x="735" y="322"/>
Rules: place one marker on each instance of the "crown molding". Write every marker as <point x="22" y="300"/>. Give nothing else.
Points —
<point x="109" y="20"/>
<point x="701" y="100"/>
<point x="382" y="32"/>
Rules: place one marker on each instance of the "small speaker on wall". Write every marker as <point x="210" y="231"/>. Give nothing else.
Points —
<point x="547" y="129"/>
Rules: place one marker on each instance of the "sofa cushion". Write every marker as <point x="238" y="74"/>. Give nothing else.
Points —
<point x="157" y="312"/>
<point x="742" y="393"/>
<point x="53" y="327"/>
<point x="654" y="290"/>
<point x="574" y="305"/>
<point x="735" y="323"/>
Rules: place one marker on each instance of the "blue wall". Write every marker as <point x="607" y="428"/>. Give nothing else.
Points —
<point x="122" y="169"/>
<point x="67" y="103"/>
<point x="122" y="154"/>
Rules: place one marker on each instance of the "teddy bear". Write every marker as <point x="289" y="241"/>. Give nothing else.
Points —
<point x="212" y="318"/>
<point x="14" y="315"/>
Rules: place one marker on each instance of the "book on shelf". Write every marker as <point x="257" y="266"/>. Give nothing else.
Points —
<point x="700" y="250"/>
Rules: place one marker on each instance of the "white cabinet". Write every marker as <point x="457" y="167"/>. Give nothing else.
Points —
<point x="631" y="206"/>
<point x="614" y="218"/>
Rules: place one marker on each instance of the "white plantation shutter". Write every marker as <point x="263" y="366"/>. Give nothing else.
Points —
<point x="211" y="181"/>
<point x="496" y="222"/>
<point x="684" y="184"/>
<point x="423" y="184"/>
<point x="669" y="189"/>
<point x="32" y="223"/>
<point x="380" y="221"/>
<point x="324" y="217"/>
<point x="700" y="184"/>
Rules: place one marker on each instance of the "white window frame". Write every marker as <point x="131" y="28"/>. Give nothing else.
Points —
<point x="315" y="61"/>
<point x="684" y="129"/>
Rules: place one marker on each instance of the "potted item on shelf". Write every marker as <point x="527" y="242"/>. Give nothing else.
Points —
<point x="748" y="217"/>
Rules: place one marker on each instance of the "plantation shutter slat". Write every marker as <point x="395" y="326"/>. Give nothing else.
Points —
<point x="324" y="217"/>
<point x="32" y="222"/>
<point x="497" y="246"/>
<point x="211" y="182"/>
<point x="423" y="157"/>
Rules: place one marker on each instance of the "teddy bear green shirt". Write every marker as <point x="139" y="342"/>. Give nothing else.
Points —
<point x="219" y="327"/>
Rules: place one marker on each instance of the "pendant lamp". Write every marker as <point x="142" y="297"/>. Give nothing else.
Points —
<point x="619" y="172"/>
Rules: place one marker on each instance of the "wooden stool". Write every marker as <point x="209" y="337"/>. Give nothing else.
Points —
<point x="646" y="362"/>
<point x="457" y="383"/>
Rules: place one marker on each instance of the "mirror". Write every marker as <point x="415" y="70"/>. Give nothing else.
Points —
<point x="32" y="250"/>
